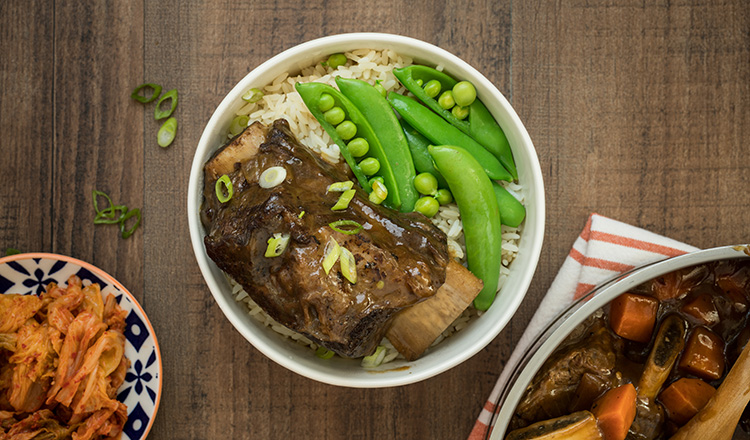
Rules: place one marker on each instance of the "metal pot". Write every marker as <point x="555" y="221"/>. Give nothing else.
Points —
<point x="560" y="327"/>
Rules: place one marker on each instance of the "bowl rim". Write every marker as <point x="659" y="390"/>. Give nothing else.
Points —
<point x="553" y="334"/>
<point x="533" y="229"/>
<point x="110" y="279"/>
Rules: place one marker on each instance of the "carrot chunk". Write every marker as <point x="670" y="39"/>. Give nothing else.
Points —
<point x="702" y="308"/>
<point x="633" y="316"/>
<point x="704" y="354"/>
<point x="684" y="398"/>
<point x="615" y="411"/>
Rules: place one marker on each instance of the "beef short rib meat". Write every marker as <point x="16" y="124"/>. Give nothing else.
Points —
<point x="400" y="258"/>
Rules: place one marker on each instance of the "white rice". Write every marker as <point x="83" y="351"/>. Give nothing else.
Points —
<point x="281" y="100"/>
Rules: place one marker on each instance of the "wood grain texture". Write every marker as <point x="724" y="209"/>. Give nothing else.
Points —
<point x="639" y="111"/>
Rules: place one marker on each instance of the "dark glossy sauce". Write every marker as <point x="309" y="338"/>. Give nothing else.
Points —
<point x="712" y="299"/>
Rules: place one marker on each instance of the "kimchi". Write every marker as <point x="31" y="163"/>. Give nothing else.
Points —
<point x="61" y="363"/>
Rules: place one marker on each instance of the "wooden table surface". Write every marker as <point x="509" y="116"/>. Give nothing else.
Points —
<point x="639" y="110"/>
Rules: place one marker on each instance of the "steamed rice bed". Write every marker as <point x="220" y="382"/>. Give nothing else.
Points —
<point x="280" y="100"/>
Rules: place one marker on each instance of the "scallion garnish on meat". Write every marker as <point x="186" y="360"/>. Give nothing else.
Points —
<point x="272" y="177"/>
<point x="344" y="200"/>
<point x="340" y="186"/>
<point x="331" y="254"/>
<point x="346" y="223"/>
<point x="224" y="189"/>
<point x="348" y="265"/>
<point x="277" y="245"/>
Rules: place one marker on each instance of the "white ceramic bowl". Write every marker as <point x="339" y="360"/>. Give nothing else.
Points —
<point x="458" y="347"/>
<point x="558" y="330"/>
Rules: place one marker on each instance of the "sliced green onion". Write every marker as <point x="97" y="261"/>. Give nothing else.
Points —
<point x="272" y="177"/>
<point x="125" y="233"/>
<point x="301" y="214"/>
<point x="331" y="254"/>
<point x="277" y="245"/>
<point x="110" y="216"/>
<point x="324" y="353"/>
<point x="161" y="114"/>
<point x="224" y="189"/>
<point x="379" y="189"/>
<point x="167" y="132"/>
<point x="340" y="186"/>
<point x="11" y="251"/>
<point x="374" y="359"/>
<point x="156" y="91"/>
<point x="238" y="125"/>
<point x="95" y="194"/>
<point x="252" y="95"/>
<point x="380" y="284"/>
<point x="348" y="265"/>
<point x="344" y="199"/>
<point x="335" y="226"/>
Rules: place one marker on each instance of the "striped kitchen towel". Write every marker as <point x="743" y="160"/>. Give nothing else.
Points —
<point x="604" y="249"/>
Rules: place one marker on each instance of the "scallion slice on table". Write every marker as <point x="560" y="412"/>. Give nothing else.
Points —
<point x="155" y="89"/>
<point x="115" y="214"/>
<point x="224" y="189"/>
<point x="125" y="233"/>
<point x="11" y="251"/>
<point x="172" y="97"/>
<point x="167" y="132"/>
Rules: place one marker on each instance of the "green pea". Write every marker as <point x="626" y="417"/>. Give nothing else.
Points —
<point x="346" y="130"/>
<point x="335" y="116"/>
<point x="369" y="166"/>
<point x="420" y="82"/>
<point x="379" y="87"/>
<point x="464" y="93"/>
<point x="443" y="196"/>
<point x="376" y="179"/>
<point x="336" y="60"/>
<point x="446" y="100"/>
<point x="325" y="102"/>
<point x="358" y="147"/>
<point x="432" y="88"/>
<point x="427" y="206"/>
<point x="460" y="112"/>
<point x="426" y="184"/>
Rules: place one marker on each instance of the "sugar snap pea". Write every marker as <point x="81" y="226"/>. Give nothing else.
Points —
<point x="418" y="146"/>
<point x="480" y="125"/>
<point x="512" y="212"/>
<point x="384" y="123"/>
<point x="439" y="132"/>
<point x="311" y="94"/>
<point x="472" y="190"/>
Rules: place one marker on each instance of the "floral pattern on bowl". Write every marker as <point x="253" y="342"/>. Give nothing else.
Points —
<point x="29" y="274"/>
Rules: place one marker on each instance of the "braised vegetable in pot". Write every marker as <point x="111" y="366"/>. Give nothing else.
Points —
<point x="657" y="353"/>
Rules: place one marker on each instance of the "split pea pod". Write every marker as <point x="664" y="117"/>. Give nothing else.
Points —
<point x="477" y="204"/>
<point x="439" y="132"/>
<point x="481" y="125"/>
<point x="384" y="123"/>
<point x="418" y="145"/>
<point x="512" y="212"/>
<point x="311" y="94"/>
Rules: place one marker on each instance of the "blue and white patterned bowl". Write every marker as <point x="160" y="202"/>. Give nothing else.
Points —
<point x="28" y="274"/>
